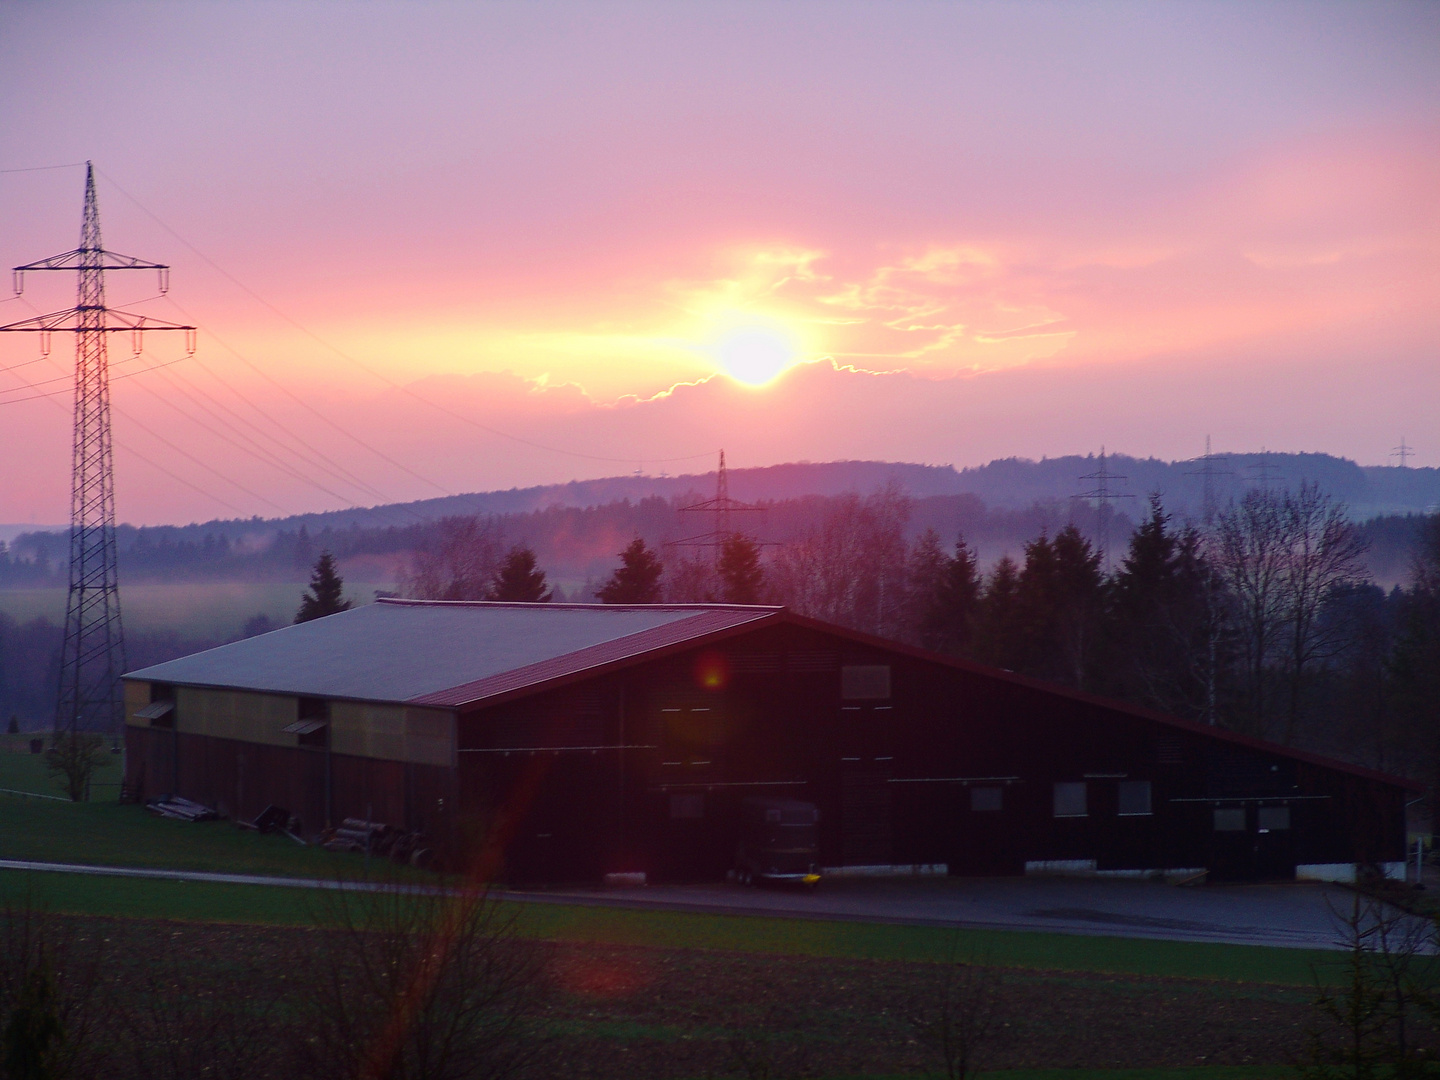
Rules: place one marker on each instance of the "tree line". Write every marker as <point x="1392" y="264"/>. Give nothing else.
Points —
<point x="1263" y="620"/>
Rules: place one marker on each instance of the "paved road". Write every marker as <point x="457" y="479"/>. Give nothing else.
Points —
<point x="1291" y="915"/>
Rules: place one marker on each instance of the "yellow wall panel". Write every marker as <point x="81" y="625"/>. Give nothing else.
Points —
<point x="390" y="732"/>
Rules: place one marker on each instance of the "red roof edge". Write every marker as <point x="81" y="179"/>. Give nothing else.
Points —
<point x="715" y="623"/>
<point x="608" y="657"/>
<point x="1192" y="726"/>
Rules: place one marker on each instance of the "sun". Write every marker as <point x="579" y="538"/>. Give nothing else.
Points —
<point x="756" y="354"/>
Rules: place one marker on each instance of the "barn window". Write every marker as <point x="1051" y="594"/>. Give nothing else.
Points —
<point x="161" y="710"/>
<point x="312" y="733"/>
<point x="1272" y="817"/>
<point x="687" y="807"/>
<point x="1134" y="798"/>
<point x="865" y="682"/>
<point x="986" y="800"/>
<point x="312" y="729"/>
<point x="161" y="714"/>
<point x="1070" y="799"/>
<point x="1230" y="819"/>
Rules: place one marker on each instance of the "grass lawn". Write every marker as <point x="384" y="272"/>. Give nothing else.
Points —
<point x="104" y="833"/>
<point x="205" y="901"/>
<point x="108" y="834"/>
<point x="23" y="771"/>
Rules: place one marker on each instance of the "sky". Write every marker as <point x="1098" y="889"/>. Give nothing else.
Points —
<point x="435" y="248"/>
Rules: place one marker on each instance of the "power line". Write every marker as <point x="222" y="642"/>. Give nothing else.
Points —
<point x="258" y="451"/>
<point x="191" y="457"/>
<point x="253" y="449"/>
<point x="316" y="412"/>
<point x="143" y="457"/>
<point x="45" y="168"/>
<point x="324" y="463"/>
<point x="377" y="375"/>
<point x="179" y="450"/>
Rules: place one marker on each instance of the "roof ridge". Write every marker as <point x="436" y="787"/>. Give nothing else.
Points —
<point x="403" y="601"/>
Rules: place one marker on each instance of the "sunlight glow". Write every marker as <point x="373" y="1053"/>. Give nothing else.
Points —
<point x="757" y="353"/>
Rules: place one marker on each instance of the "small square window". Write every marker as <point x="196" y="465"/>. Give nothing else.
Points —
<point x="986" y="800"/>
<point x="865" y="682"/>
<point x="1070" y="799"/>
<point x="1230" y="819"/>
<point x="687" y="807"/>
<point x="1134" y="798"/>
<point x="1272" y="817"/>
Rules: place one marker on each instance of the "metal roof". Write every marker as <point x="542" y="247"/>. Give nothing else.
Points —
<point x="444" y="653"/>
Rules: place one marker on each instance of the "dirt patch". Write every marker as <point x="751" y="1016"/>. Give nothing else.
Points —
<point x="691" y="1013"/>
<point x="636" y="1012"/>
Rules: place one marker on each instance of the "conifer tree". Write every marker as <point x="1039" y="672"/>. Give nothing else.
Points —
<point x="1159" y="619"/>
<point x="636" y="580"/>
<point x="742" y="579"/>
<point x="519" y="580"/>
<point x="323" y="599"/>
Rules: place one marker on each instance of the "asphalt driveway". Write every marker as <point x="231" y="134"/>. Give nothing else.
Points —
<point x="1285" y="914"/>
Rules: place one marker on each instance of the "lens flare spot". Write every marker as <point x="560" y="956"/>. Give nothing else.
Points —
<point x="712" y="671"/>
<point x="602" y="975"/>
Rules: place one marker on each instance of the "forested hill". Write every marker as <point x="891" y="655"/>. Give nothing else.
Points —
<point x="576" y="528"/>
<point x="1005" y="484"/>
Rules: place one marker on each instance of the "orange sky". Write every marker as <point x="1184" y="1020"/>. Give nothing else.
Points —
<point x="940" y="233"/>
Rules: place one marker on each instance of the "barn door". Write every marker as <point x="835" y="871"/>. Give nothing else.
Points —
<point x="866" y="767"/>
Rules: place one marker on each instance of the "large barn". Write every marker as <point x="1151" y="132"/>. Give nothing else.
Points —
<point x="585" y="740"/>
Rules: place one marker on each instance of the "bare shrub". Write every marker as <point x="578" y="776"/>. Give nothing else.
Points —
<point x="765" y="1054"/>
<point x="459" y="563"/>
<point x="419" y="984"/>
<point x="74" y="756"/>
<point x="1388" y="980"/>
<point x="49" y="978"/>
<point x="958" y="1019"/>
<point x="196" y="1015"/>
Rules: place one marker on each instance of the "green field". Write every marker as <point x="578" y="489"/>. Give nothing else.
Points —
<point x="200" y="610"/>
<point x="104" y="833"/>
<point x="716" y="963"/>
<point x="206" y="901"/>
<point x="1190" y="1072"/>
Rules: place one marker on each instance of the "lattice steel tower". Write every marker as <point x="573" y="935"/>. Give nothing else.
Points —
<point x="93" y="656"/>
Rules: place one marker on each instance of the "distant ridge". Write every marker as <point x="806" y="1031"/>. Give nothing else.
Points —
<point x="1004" y="484"/>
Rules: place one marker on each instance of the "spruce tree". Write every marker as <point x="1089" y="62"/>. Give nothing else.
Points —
<point x="742" y="579"/>
<point x="323" y="599"/>
<point x="637" y="580"/>
<point x="519" y="580"/>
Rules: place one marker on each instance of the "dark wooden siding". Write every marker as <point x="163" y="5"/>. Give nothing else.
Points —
<point x="240" y="779"/>
<point x="644" y="769"/>
<point x="892" y="777"/>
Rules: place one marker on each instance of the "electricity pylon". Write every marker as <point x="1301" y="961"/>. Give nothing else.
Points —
<point x="722" y="506"/>
<point x="93" y="654"/>
<point x="1103" y="496"/>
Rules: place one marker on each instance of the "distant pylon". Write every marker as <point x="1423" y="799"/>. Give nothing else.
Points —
<point x="93" y="653"/>
<point x="1208" y="472"/>
<point x="1102" y="496"/>
<point x="1264" y="470"/>
<point x="1403" y="452"/>
<point x="722" y="506"/>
